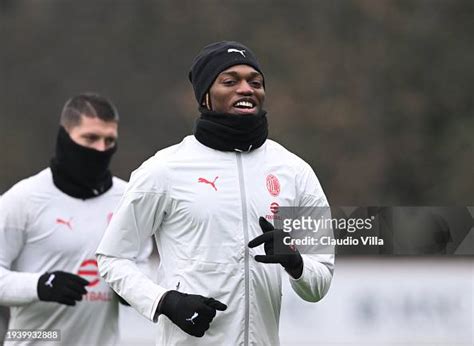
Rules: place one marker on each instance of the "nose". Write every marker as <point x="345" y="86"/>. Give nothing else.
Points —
<point x="245" y="88"/>
<point x="100" y="145"/>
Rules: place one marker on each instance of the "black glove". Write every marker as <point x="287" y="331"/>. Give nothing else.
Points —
<point x="61" y="287"/>
<point x="276" y="251"/>
<point x="190" y="312"/>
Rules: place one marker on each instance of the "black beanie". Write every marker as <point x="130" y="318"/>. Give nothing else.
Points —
<point x="215" y="58"/>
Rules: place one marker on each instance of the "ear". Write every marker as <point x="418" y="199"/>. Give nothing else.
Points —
<point x="207" y="101"/>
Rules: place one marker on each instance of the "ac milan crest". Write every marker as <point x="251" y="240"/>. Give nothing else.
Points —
<point x="273" y="185"/>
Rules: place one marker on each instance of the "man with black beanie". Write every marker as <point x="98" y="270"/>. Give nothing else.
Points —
<point x="50" y="226"/>
<point x="203" y="200"/>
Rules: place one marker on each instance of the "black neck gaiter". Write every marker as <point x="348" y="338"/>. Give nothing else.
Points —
<point x="78" y="171"/>
<point x="231" y="132"/>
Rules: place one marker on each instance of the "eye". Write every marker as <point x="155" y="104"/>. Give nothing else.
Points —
<point x="228" y="82"/>
<point x="256" y="83"/>
<point x="91" y="138"/>
<point x="110" y="141"/>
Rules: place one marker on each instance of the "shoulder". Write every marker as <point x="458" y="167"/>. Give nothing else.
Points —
<point x="281" y="153"/>
<point x="189" y="147"/>
<point x="119" y="184"/>
<point x="307" y="183"/>
<point x="153" y="174"/>
<point x="27" y="195"/>
<point x="117" y="190"/>
<point x="39" y="182"/>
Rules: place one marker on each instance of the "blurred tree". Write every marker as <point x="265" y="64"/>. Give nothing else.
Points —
<point x="375" y="95"/>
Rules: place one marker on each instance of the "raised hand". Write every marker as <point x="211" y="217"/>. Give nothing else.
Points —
<point x="275" y="249"/>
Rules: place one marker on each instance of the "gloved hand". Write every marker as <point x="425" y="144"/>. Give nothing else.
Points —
<point x="61" y="287"/>
<point x="190" y="312"/>
<point x="276" y="251"/>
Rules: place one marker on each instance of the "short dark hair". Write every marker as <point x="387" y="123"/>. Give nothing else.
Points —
<point x="90" y="105"/>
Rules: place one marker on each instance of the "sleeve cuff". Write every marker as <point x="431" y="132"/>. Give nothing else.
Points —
<point x="156" y="307"/>
<point x="31" y="285"/>
<point x="23" y="289"/>
<point x="302" y="276"/>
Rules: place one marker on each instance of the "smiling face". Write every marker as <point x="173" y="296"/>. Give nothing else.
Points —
<point x="238" y="90"/>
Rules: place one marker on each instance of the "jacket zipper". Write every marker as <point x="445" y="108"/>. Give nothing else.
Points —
<point x="246" y="249"/>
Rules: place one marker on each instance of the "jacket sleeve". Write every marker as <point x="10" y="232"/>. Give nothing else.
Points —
<point x="138" y="216"/>
<point x="16" y="288"/>
<point x="318" y="262"/>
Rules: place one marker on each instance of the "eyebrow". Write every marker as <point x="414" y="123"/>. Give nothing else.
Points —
<point x="236" y="74"/>
<point x="91" y="134"/>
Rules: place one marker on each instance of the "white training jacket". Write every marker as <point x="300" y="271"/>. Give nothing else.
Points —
<point x="203" y="205"/>
<point x="43" y="229"/>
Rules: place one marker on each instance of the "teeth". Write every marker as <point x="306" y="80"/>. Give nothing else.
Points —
<point x="244" y="104"/>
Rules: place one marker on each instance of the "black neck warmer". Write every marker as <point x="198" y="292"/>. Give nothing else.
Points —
<point x="78" y="171"/>
<point x="231" y="132"/>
